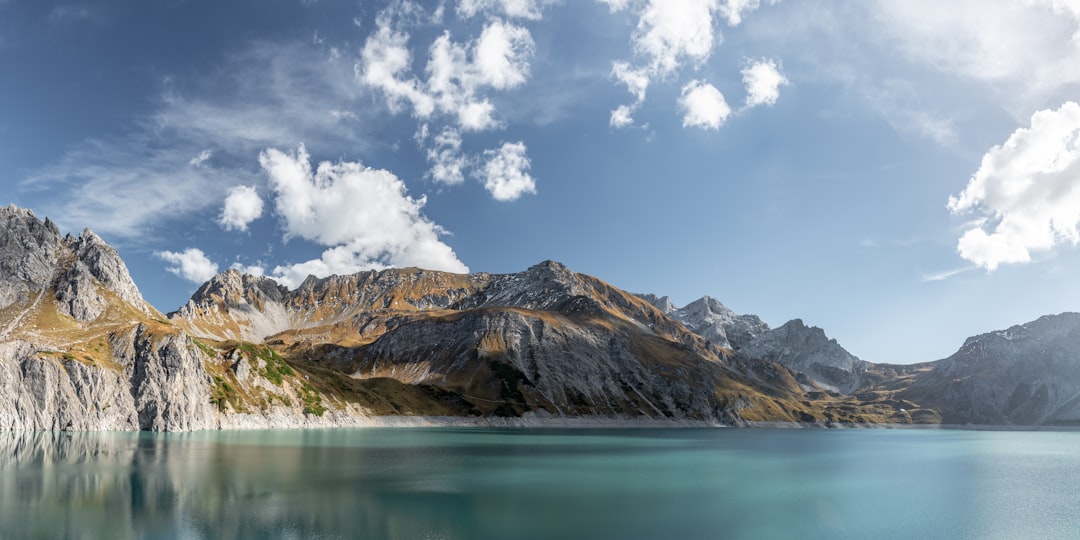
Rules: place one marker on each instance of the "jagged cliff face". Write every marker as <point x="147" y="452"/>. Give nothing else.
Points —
<point x="710" y="319"/>
<point x="234" y="306"/>
<point x="808" y="351"/>
<point x="1026" y="375"/>
<point x="77" y="346"/>
<point x="81" y="350"/>
<point x="546" y="341"/>
<point x="78" y="276"/>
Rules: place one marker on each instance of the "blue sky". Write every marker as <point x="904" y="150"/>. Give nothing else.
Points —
<point x="902" y="174"/>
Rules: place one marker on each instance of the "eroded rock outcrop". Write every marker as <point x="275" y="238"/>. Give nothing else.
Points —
<point x="43" y="390"/>
<point x="168" y="380"/>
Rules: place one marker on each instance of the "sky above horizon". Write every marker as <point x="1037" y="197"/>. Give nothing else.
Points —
<point x="901" y="174"/>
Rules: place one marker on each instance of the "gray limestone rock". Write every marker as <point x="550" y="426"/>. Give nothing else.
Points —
<point x="28" y="254"/>
<point x="1026" y="375"/>
<point x="104" y="264"/>
<point x="44" y="391"/>
<point x="802" y="349"/>
<point x="77" y="294"/>
<point x="807" y="350"/>
<point x="167" y="379"/>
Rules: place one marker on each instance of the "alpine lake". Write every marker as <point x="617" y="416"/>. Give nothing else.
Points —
<point x="473" y="483"/>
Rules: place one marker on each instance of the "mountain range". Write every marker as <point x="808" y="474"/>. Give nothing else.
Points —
<point x="81" y="350"/>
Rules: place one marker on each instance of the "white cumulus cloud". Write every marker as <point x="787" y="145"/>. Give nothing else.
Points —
<point x="458" y="74"/>
<point x="637" y="82"/>
<point x="386" y="62"/>
<point x="1026" y="193"/>
<point x="457" y="80"/>
<point x="363" y="216"/>
<point x="501" y="55"/>
<point x="622" y="116"/>
<point x="447" y="162"/>
<point x="763" y="80"/>
<point x="514" y="9"/>
<point x="703" y="106"/>
<point x="734" y="10"/>
<point x="191" y="264"/>
<point x="242" y="206"/>
<point x="506" y="172"/>
<point x="635" y="79"/>
<point x="669" y="33"/>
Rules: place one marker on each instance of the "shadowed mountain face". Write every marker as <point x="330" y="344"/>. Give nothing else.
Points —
<point x="81" y="350"/>
<point x="1026" y="375"/>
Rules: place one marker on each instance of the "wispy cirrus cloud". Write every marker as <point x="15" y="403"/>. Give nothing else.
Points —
<point x="183" y="157"/>
<point x="1028" y="51"/>
<point x="269" y="94"/>
<point x="127" y="188"/>
<point x="944" y="275"/>
<point x="70" y="13"/>
<point x="900" y="104"/>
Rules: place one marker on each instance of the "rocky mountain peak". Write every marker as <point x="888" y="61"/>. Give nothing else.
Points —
<point x="806" y="349"/>
<point x="707" y="308"/>
<point x="550" y="266"/>
<point x="235" y="305"/>
<point x="1026" y="374"/>
<point x="1032" y="336"/>
<point x="712" y="320"/>
<point x="662" y="303"/>
<point x="542" y="286"/>
<point x="103" y="263"/>
<point x="34" y="258"/>
<point x="803" y="349"/>
<point x="232" y="287"/>
<point x="28" y="252"/>
<point x="798" y="327"/>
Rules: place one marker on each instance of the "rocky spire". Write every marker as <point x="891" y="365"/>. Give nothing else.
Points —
<point x="34" y="257"/>
<point x="28" y="254"/>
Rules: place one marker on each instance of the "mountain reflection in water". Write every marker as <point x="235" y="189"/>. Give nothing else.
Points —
<point x="480" y="483"/>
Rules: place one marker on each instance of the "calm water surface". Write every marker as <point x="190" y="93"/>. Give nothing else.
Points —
<point x="476" y="483"/>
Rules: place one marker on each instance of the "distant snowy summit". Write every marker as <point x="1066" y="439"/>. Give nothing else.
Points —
<point x="805" y="350"/>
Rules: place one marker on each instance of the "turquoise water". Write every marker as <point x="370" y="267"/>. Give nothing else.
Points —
<point x="508" y="484"/>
